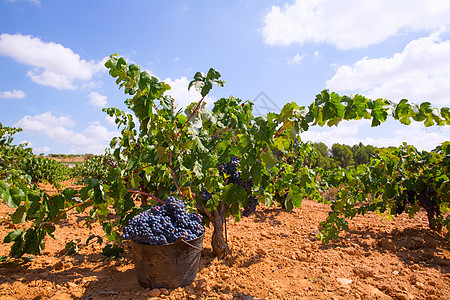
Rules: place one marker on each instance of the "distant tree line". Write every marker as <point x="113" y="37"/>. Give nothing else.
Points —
<point x="341" y="155"/>
<point x="86" y="156"/>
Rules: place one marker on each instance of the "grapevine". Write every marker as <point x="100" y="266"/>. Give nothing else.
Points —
<point x="223" y="163"/>
<point x="398" y="180"/>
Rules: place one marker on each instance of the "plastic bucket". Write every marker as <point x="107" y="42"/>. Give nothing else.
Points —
<point x="167" y="266"/>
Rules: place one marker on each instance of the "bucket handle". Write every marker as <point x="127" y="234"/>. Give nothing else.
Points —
<point x="195" y="247"/>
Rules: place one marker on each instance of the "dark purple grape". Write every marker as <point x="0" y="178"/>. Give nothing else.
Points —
<point x="164" y="224"/>
<point x="251" y="207"/>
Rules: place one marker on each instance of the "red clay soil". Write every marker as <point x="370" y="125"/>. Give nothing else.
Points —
<point x="274" y="255"/>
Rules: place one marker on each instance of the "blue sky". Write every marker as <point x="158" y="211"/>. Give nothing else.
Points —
<point x="53" y="83"/>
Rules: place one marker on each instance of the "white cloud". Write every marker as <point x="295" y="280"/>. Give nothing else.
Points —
<point x="296" y="59"/>
<point x="419" y="73"/>
<point x="44" y="122"/>
<point x="110" y="120"/>
<point x="179" y="91"/>
<point x="94" y="139"/>
<point x="53" y="64"/>
<point x="354" y="132"/>
<point x="343" y="134"/>
<point x="97" y="99"/>
<point x="49" y="78"/>
<point x="14" y="94"/>
<point x="38" y="150"/>
<point x="35" y="2"/>
<point x="44" y="149"/>
<point x="350" y="24"/>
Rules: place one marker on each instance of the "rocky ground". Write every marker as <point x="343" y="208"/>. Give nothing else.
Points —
<point x="274" y="255"/>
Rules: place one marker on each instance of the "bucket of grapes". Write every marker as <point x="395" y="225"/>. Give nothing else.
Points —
<point x="166" y="244"/>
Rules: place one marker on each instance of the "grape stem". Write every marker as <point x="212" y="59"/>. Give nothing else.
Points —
<point x="146" y="194"/>
<point x="193" y="112"/>
<point x="171" y="152"/>
<point x="205" y="210"/>
<point x="65" y="211"/>
<point x="173" y="176"/>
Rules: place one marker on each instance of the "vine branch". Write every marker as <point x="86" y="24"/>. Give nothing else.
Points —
<point x="173" y="176"/>
<point x="146" y="194"/>
<point x="193" y="112"/>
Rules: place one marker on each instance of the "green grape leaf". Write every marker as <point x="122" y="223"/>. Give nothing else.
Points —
<point x="233" y="193"/>
<point x="13" y="236"/>
<point x="19" y="215"/>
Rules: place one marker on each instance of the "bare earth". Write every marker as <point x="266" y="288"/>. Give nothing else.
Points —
<point x="275" y="255"/>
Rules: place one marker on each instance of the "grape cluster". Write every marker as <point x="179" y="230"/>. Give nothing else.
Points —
<point x="427" y="198"/>
<point x="251" y="207"/>
<point x="109" y="161"/>
<point x="230" y="167"/>
<point x="234" y="177"/>
<point x="207" y="195"/>
<point x="164" y="224"/>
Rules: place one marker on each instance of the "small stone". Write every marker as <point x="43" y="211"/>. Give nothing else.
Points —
<point x="387" y="244"/>
<point x="432" y="292"/>
<point x="300" y="256"/>
<point x="154" y="293"/>
<point x="395" y="272"/>
<point x="226" y="297"/>
<point x="363" y="271"/>
<point x="432" y="283"/>
<point x="266" y="235"/>
<point x="39" y="296"/>
<point x="261" y="251"/>
<point x="61" y="296"/>
<point x="164" y="291"/>
<point x="402" y="296"/>
<point x="189" y="289"/>
<point x="350" y="251"/>
<point x="376" y="293"/>
<point x="344" y="281"/>
<point x="72" y="284"/>
<point x="420" y="285"/>
<point x="11" y="225"/>
<point x="58" y="266"/>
